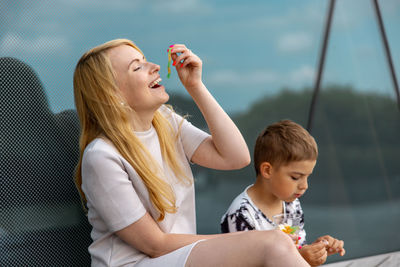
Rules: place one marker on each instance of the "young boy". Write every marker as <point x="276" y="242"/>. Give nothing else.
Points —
<point x="284" y="157"/>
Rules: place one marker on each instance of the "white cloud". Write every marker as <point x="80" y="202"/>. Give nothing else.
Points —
<point x="180" y="6"/>
<point x="346" y="20"/>
<point x="302" y="76"/>
<point x="13" y="43"/>
<point x="294" y="42"/>
<point x="390" y="7"/>
<point x="238" y="78"/>
<point x="59" y="15"/>
<point x="305" y="15"/>
<point x="122" y="5"/>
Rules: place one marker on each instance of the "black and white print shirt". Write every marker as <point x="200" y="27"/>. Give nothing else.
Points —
<point x="243" y="215"/>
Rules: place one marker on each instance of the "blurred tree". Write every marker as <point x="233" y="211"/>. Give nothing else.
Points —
<point x="358" y="134"/>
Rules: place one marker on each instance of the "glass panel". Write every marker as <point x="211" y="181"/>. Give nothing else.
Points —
<point x="390" y="10"/>
<point x="354" y="192"/>
<point x="248" y="50"/>
<point x="259" y="62"/>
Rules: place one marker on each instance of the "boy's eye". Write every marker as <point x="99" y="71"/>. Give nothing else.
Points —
<point x="137" y="68"/>
<point x="295" y="178"/>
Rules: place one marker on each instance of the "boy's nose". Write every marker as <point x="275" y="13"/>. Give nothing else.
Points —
<point x="303" y="185"/>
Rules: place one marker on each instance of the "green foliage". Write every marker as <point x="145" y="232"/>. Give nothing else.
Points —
<point x="185" y="106"/>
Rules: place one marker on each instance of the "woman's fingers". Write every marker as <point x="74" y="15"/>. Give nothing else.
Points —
<point x="187" y="61"/>
<point x="181" y="49"/>
<point x="188" y="66"/>
<point x="183" y="59"/>
<point x="185" y="56"/>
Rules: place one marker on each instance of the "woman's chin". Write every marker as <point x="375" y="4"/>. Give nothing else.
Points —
<point x="165" y="97"/>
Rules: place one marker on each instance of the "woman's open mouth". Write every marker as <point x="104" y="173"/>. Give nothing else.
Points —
<point x="155" y="84"/>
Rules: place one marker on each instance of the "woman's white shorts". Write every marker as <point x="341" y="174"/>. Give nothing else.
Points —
<point x="176" y="258"/>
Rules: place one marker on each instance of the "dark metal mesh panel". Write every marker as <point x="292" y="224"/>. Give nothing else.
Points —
<point x="41" y="222"/>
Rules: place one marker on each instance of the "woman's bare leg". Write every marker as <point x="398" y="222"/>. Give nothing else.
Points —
<point x="251" y="248"/>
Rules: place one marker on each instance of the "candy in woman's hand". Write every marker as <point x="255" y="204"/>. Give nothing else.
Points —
<point x="169" y="62"/>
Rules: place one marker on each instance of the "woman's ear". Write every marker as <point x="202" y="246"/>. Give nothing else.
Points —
<point x="266" y="169"/>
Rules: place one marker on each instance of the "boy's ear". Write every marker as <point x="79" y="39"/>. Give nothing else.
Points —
<point x="266" y="169"/>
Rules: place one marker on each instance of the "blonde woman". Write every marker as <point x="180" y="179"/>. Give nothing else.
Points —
<point x="134" y="174"/>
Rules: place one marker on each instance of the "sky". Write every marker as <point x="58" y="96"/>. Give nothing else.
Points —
<point x="249" y="49"/>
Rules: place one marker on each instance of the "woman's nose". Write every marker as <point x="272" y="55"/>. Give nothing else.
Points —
<point x="154" y="68"/>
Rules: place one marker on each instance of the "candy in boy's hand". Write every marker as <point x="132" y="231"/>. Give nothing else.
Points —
<point x="291" y="230"/>
<point x="288" y="229"/>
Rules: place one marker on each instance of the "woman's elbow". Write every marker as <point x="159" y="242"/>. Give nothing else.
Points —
<point x="154" y="254"/>
<point x="245" y="161"/>
<point x="153" y="245"/>
<point x="157" y="249"/>
<point x="241" y="162"/>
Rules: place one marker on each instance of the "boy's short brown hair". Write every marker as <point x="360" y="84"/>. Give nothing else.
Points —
<point x="283" y="142"/>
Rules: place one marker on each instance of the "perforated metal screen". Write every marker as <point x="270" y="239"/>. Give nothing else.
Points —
<point x="41" y="222"/>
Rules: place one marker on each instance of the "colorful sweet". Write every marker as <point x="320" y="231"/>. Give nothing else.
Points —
<point x="286" y="228"/>
<point x="169" y="62"/>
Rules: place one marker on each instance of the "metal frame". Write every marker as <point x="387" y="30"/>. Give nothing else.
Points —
<point x="320" y="65"/>
<point x="387" y="50"/>
<point x="317" y="85"/>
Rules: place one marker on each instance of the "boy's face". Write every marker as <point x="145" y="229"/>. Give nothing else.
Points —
<point x="290" y="181"/>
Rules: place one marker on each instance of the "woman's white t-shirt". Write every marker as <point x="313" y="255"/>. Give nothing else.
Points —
<point x="117" y="197"/>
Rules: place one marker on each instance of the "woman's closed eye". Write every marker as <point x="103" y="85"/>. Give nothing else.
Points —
<point x="137" y="68"/>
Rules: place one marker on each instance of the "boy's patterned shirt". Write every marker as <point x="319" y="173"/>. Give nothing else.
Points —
<point x="243" y="215"/>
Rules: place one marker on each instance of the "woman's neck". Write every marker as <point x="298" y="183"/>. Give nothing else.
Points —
<point x="141" y="122"/>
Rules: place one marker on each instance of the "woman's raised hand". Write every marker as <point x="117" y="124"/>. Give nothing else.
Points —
<point x="188" y="66"/>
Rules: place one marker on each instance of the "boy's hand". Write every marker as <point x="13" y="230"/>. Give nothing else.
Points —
<point x="315" y="254"/>
<point x="333" y="245"/>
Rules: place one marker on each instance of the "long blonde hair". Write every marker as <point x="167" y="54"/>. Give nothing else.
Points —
<point x="98" y="104"/>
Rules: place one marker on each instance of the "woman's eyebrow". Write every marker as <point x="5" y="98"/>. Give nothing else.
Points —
<point x="134" y="60"/>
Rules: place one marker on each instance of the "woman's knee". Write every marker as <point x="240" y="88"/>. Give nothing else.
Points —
<point x="265" y="246"/>
<point x="275" y="240"/>
<point x="255" y="247"/>
<point x="278" y="249"/>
